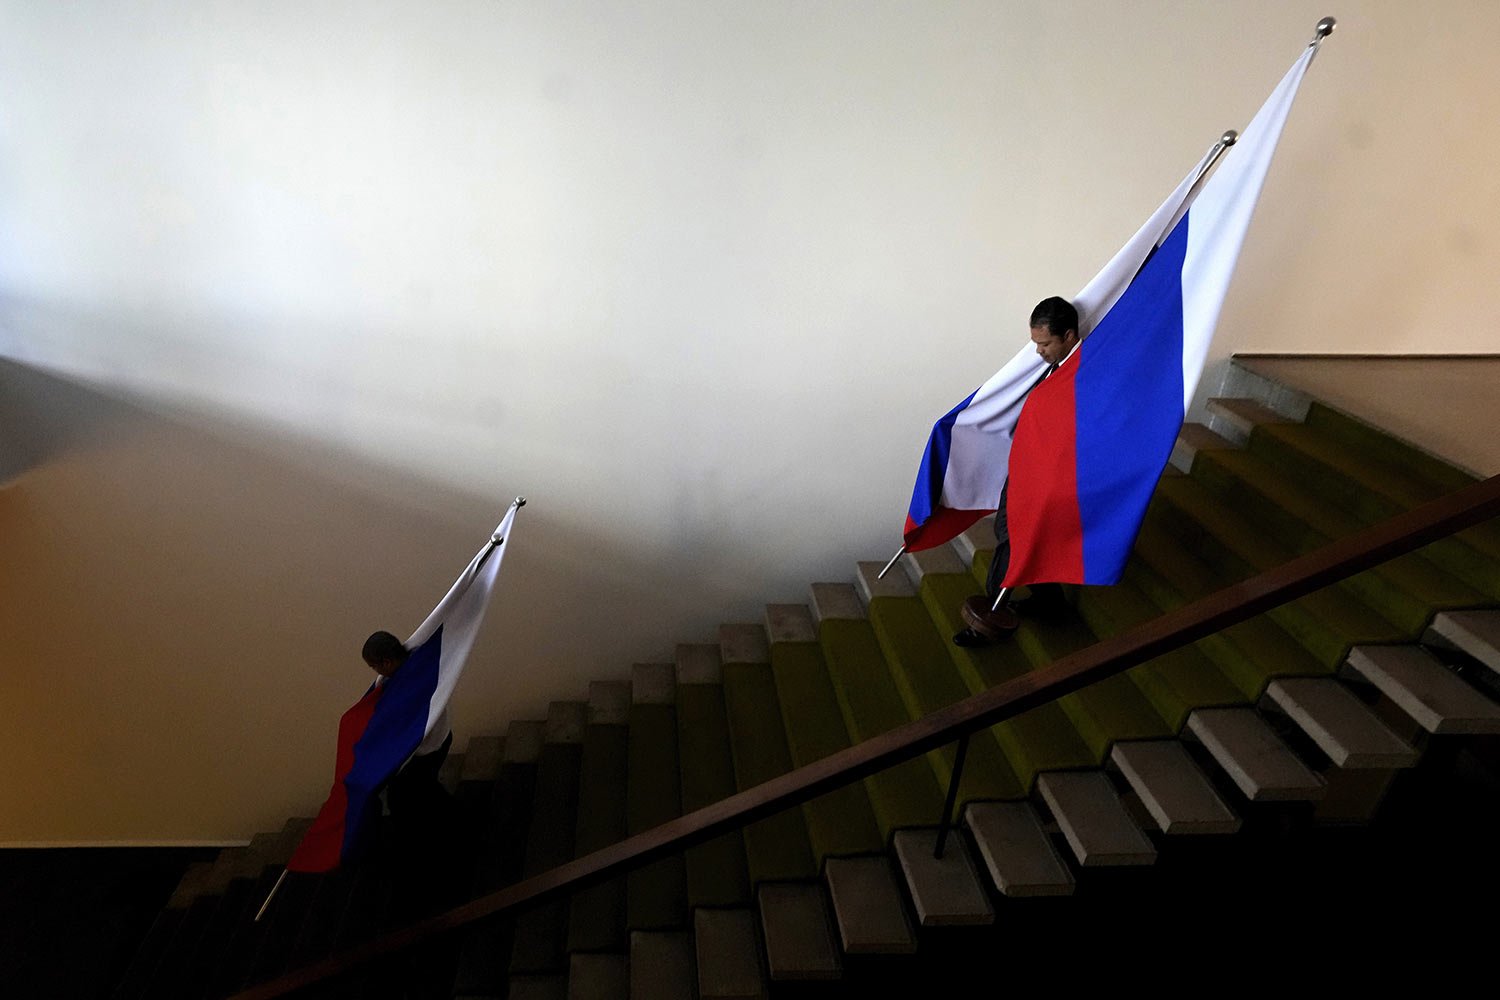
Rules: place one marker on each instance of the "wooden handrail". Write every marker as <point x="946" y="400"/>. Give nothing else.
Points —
<point x="1301" y="576"/>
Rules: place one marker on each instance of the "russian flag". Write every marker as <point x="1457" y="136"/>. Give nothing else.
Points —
<point x="1092" y="439"/>
<point x="386" y="726"/>
<point x="971" y="450"/>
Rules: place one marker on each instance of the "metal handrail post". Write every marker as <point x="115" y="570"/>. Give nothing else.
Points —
<point x="953" y="779"/>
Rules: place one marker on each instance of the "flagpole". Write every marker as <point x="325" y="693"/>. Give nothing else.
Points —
<point x="1229" y="138"/>
<point x="270" y="896"/>
<point x="899" y="553"/>
<point x="497" y="540"/>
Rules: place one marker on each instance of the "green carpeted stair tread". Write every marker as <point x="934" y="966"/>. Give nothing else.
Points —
<point x="842" y="822"/>
<point x="979" y="567"/>
<point x="541" y="933"/>
<point x="716" y="871"/>
<point x="1408" y="590"/>
<point x="927" y="681"/>
<point x="1334" y="618"/>
<point x="596" y="915"/>
<point x="1250" y="654"/>
<point x="776" y="848"/>
<point x="485" y="953"/>
<point x="1041" y="739"/>
<point x="1372" y="491"/>
<point x="904" y="795"/>
<point x="1176" y="683"/>
<point x="1105" y="711"/>
<point x="1376" y="444"/>
<point x="656" y="895"/>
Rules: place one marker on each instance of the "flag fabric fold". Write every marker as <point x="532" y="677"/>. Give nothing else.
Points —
<point x="965" y="463"/>
<point x="1092" y="439"/>
<point x="971" y="452"/>
<point x="385" y="727"/>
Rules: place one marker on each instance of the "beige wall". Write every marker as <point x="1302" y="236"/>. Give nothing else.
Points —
<point x="295" y="297"/>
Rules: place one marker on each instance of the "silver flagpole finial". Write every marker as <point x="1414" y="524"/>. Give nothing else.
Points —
<point x="1230" y="137"/>
<point x="518" y="502"/>
<point x="1324" y="29"/>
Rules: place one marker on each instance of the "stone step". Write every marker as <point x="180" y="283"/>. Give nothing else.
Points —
<point x="776" y="848"/>
<point x="946" y="891"/>
<point x="190" y="886"/>
<point x="698" y="663"/>
<point x="1192" y="439"/>
<point x="523" y="742"/>
<point x="653" y="684"/>
<point x="1476" y="633"/>
<point x="728" y="955"/>
<point x="837" y="601"/>
<point x="841" y="821"/>
<point x="292" y="832"/>
<point x="976" y="538"/>
<point x="895" y="583"/>
<point x="484" y="955"/>
<point x="743" y="643"/>
<point x="1340" y="724"/>
<point x="1236" y="417"/>
<point x="716" y="870"/>
<point x="1434" y="697"/>
<point x="871" y="703"/>
<point x="798" y="931"/>
<point x="565" y="722"/>
<point x="609" y="703"/>
<point x="539" y="944"/>
<point x="942" y="559"/>
<point x="1176" y="793"/>
<point x="1253" y="756"/>
<point x="482" y="758"/>
<point x="661" y="966"/>
<point x="656" y="895"/>
<point x="596" y="915"/>
<point x="538" y="988"/>
<point x="790" y="623"/>
<point x="598" y="977"/>
<point x="1020" y="856"/>
<point x="868" y="906"/>
<point x="1094" y="820"/>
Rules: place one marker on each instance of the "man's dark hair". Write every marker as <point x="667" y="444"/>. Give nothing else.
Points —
<point x="1056" y="314"/>
<point x="382" y="646"/>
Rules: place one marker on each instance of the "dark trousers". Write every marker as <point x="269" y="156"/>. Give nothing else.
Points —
<point x="423" y="832"/>
<point x="414" y="792"/>
<point x="1046" y="592"/>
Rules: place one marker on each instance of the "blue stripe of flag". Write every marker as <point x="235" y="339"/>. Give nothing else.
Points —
<point x="1128" y="402"/>
<point x="395" y="730"/>
<point x="934" y="467"/>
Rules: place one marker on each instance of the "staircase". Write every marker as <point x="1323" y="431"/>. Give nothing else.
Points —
<point x="1257" y="743"/>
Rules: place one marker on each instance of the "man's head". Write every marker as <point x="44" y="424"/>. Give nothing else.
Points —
<point x="1054" y="329"/>
<point x="384" y="653"/>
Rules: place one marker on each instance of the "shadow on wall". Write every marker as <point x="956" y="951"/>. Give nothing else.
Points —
<point x="183" y="599"/>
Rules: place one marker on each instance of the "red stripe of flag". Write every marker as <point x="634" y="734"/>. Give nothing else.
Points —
<point x="1043" y="485"/>
<point x="323" y="843"/>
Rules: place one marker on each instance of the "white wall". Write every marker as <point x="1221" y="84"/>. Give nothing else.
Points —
<point x="295" y="297"/>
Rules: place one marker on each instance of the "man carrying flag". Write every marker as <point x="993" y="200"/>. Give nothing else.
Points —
<point x="1069" y="450"/>
<point x="1054" y="333"/>
<point x="415" y="798"/>
<point x="396" y="736"/>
